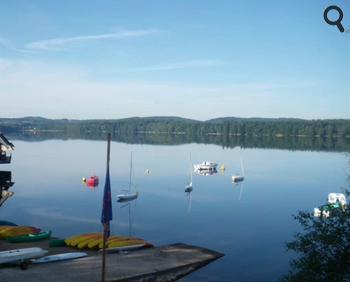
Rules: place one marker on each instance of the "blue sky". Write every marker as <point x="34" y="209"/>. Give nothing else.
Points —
<point x="197" y="59"/>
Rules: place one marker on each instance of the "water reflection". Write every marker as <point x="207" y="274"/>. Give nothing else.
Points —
<point x="5" y="184"/>
<point x="130" y="206"/>
<point x="240" y="189"/>
<point x="49" y="200"/>
<point x="203" y="172"/>
<point x="189" y="196"/>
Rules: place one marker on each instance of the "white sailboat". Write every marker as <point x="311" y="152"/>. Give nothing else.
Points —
<point x="128" y="196"/>
<point x="189" y="185"/>
<point x="239" y="177"/>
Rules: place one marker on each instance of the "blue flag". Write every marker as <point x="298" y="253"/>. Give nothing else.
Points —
<point x="107" y="216"/>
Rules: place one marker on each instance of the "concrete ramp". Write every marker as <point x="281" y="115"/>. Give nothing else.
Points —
<point x="165" y="263"/>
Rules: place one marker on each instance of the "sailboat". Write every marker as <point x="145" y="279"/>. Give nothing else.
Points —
<point x="239" y="177"/>
<point x="128" y="196"/>
<point x="189" y="185"/>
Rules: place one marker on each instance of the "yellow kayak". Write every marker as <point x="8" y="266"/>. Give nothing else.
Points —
<point x="114" y="239"/>
<point x="84" y="244"/>
<point x="99" y="242"/>
<point x="95" y="243"/>
<point x="126" y="243"/>
<point x="70" y="239"/>
<point x="80" y="239"/>
<point x="73" y="241"/>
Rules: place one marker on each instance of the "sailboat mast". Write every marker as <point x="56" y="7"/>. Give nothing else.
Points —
<point x="130" y="171"/>
<point x="190" y="168"/>
<point x="129" y="220"/>
<point x="242" y="168"/>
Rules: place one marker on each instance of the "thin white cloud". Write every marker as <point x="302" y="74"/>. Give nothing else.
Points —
<point x="178" y="65"/>
<point x="60" y="43"/>
<point x="7" y="44"/>
<point x="58" y="91"/>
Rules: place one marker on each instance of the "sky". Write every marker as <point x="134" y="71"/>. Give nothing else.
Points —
<point x="196" y="59"/>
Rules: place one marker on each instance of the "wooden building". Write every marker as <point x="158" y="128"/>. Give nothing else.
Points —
<point x="5" y="184"/>
<point x="6" y="149"/>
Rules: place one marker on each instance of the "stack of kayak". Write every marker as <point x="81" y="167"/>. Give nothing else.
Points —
<point x="20" y="234"/>
<point x="95" y="241"/>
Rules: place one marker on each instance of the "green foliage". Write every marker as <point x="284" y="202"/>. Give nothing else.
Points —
<point x="329" y="135"/>
<point x="323" y="248"/>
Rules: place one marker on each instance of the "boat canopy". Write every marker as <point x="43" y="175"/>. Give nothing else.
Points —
<point x="333" y="198"/>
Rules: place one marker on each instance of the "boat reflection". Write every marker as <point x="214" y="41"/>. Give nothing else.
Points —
<point x="203" y="172"/>
<point x="188" y="192"/>
<point x="5" y="184"/>
<point x="130" y="216"/>
<point x="241" y="187"/>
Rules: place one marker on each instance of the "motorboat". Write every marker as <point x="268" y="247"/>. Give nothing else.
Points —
<point x="237" y="178"/>
<point x="336" y="198"/>
<point x="207" y="165"/>
<point x="335" y="201"/>
<point x="92" y="181"/>
<point x="324" y="213"/>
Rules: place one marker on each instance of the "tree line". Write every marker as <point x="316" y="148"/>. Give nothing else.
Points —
<point x="332" y="135"/>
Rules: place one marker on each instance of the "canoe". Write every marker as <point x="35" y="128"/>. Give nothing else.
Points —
<point x="14" y="231"/>
<point x="20" y="255"/>
<point x="59" y="257"/>
<point x="3" y="228"/>
<point x="30" y="237"/>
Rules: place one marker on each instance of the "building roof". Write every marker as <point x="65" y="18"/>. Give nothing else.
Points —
<point x="5" y="142"/>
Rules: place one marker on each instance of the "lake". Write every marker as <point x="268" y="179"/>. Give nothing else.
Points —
<point x="248" y="222"/>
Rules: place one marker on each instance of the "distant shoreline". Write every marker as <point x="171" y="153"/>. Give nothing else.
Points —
<point x="227" y="126"/>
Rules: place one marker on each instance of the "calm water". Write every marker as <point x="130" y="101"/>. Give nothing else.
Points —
<point x="249" y="223"/>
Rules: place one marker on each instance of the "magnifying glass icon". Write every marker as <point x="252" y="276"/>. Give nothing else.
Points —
<point x="336" y="22"/>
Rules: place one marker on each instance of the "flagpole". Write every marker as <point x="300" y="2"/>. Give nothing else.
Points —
<point x="105" y="224"/>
